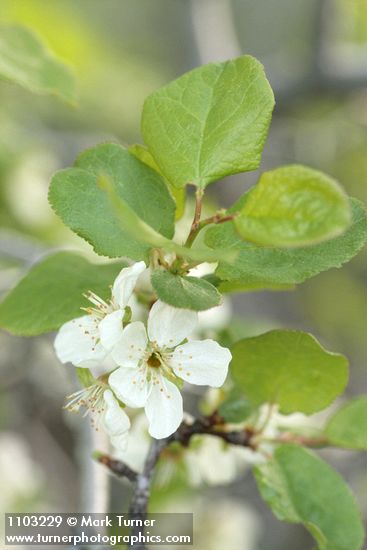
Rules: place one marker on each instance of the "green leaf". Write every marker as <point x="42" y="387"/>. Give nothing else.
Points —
<point x="235" y="408"/>
<point x="25" y="60"/>
<point x="290" y="368"/>
<point x="210" y="122"/>
<point x="79" y="200"/>
<point x="348" y="426"/>
<point x="293" y="206"/>
<point x="269" y="266"/>
<point x="184" y="292"/>
<point x="249" y="285"/>
<point x="52" y="293"/>
<point x="300" y="488"/>
<point x="143" y="154"/>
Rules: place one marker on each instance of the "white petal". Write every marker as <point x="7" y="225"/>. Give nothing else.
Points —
<point x="138" y="310"/>
<point x="168" y="326"/>
<point x="125" y="282"/>
<point x="130" y="349"/>
<point x="110" y="329"/>
<point x="105" y="366"/>
<point x="204" y="362"/>
<point x="115" y="419"/>
<point x="193" y="473"/>
<point x="77" y="342"/>
<point x="144" y="283"/>
<point x="216" y="464"/>
<point x="120" y="442"/>
<point x="130" y="386"/>
<point x="164" y="409"/>
<point x="139" y="443"/>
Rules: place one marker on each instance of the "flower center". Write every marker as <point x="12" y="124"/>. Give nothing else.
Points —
<point x="154" y="361"/>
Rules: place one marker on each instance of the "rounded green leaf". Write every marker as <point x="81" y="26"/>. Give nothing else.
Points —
<point x="52" y="293"/>
<point x="300" y="488"/>
<point x="210" y="122"/>
<point x="26" y="61"/>
<point x="348" y="426"/>
<point x="82" y="204"/>
<point x="184" y="292"/>
<point x="293" y="206"/>
<point x="266" y="267"/>
<point x="290" y="368"/>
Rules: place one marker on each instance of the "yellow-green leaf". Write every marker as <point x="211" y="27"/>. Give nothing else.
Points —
<point x="293" y="206"/>
<point x="266" y="267"/>
<point x="25" y="60"/>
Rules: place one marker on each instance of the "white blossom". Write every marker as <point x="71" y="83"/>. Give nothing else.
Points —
<point x="104" y="410"/>
<point x="87" y="340"/>
<point x="210" y="461"/>
<point x="152" y="360"/>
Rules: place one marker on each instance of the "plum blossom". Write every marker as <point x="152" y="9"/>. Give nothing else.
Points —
<point x="87" y="340"/>
<point x="153" y="361"/>
<point x="104" y="409"/>
<point x="209" y="461"/>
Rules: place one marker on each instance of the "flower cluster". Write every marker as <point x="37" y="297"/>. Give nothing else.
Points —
<point x="139" y="366"/>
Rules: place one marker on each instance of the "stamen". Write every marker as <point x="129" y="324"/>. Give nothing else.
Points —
<point x="88" y="401"/>
<point x="101" y="307"/>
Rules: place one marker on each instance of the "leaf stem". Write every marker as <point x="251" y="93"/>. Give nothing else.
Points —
<point x="197" y="215"/>
<point x="219" y="217"/>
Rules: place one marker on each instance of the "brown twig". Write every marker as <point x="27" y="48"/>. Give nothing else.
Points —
<point x="209" y="425"/>
<point x="139" y="502"/>
<point x="116" y="466"/>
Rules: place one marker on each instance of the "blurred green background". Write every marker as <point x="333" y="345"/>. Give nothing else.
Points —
<point x="315" y="55"/>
